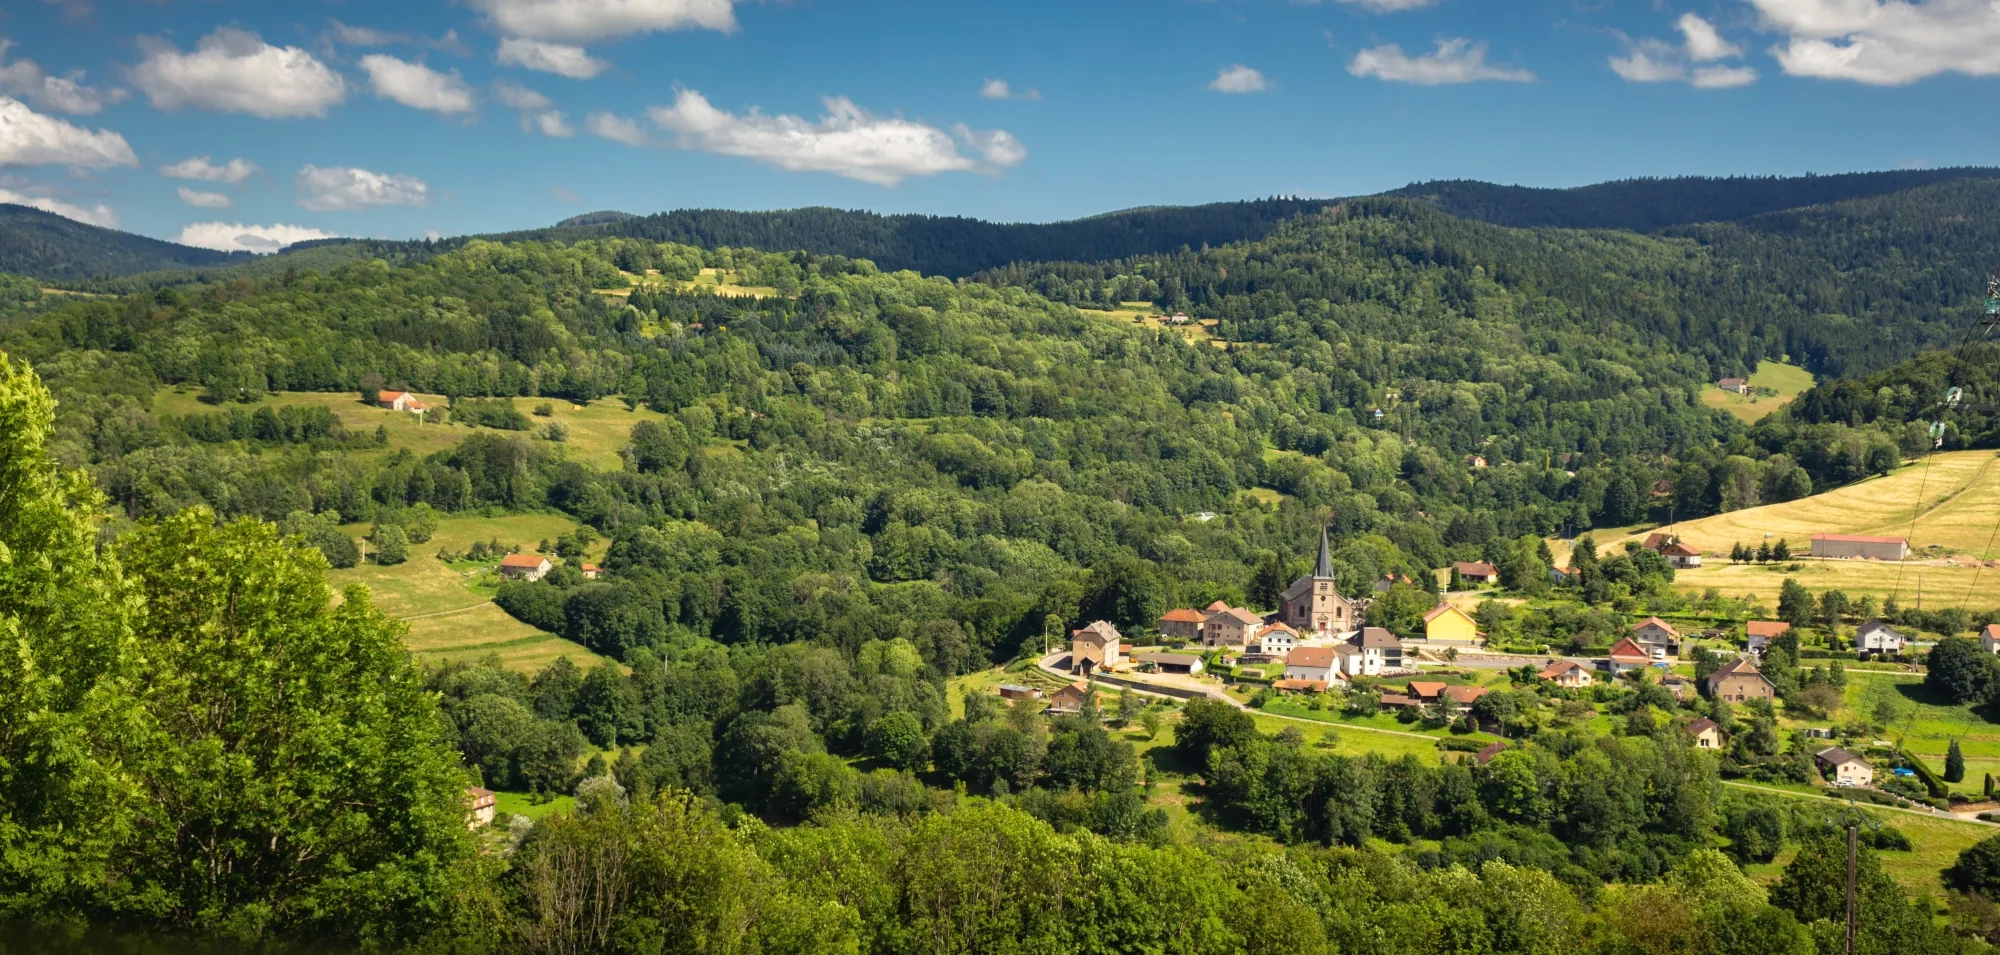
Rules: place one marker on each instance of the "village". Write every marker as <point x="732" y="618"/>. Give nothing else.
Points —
<point x="1317" y="647"/>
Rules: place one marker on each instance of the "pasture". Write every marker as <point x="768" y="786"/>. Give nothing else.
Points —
<point x="1937" y="586"/>
<point x="449" y="608"/>
<point x="597" y="431"/>
<point x="1927" y="726"/>
<point x="1789" y="381"/>
<point x="1145" y="315"/>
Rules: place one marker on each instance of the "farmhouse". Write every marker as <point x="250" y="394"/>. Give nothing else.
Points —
<point x="529" y="567"/>
<point x="1314" y="603"/>
<point x="590" y="571"/>
<point x="1740" y="680"/>
<point x="1169" y="662"/>
<point x="1658" y="541"/>
<point x="1181" y="624"/>
<point x="1232" y="627"/>
<point x="1015" y="691"/>
<point x="1878" y="637"/>
<point x="1476" y="572"/>
<point x="1310" y="663"/>
<point x="1448" y="624"/>
<point x="1681" y="556"/>
<point x="1275" y="640"/>
<point x="1846" y="768"/>
<point x="1627" y="655"/>
<point x="1657" y="636"/>
<point x="1737" y="385"/>
<point x="1989" y="638"/>
<point x="1095" y="647"/>
<point x="1070" y="699"/>
<point x="1762" y="632"/>
<point x="1705" y="733"/>
<point x="1568" y="674"/>
<point x="1850" y="545"/>
<point x="400" y="401"/>
<point x="480" y="805"/>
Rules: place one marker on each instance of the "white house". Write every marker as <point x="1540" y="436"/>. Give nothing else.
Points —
<point x="1878" y="637"/>
<point x="1681" y="556"/>
<point x="1989" y="638"/>
<point x="1848" y="769"/>
<point x="1310" y="663"/>
<point x="1657" y="636"/>
<point x="400" y="401"/>
<point x="1275" y="640"/>
<point x="529" y="567"/>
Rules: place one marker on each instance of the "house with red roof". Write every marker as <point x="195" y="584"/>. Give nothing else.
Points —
<point x="1627" y="655"/>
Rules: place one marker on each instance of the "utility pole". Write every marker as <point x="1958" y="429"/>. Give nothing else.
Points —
<point x="1853" y="833"/>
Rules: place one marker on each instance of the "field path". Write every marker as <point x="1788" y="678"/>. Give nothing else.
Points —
<point x="447" y="613"/>
<point x="1926" y="813"/>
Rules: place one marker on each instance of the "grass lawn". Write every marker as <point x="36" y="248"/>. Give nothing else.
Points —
<point x="449" y="609"/>
<point x="518" y="804"/>
<point x="596" y="431"/>
<point x="1789" y="381"/>
<point x="1926" y="726"/>
<point x="1935" y="842"/>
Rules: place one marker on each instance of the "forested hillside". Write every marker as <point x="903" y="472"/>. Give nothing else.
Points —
<point x="1650" y="205"/>
<point x="49" y="246"/>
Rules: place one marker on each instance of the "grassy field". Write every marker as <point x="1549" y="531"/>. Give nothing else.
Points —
<point x="449" y="609"/>
<point x="518" y="804"/>
<point x="596" y="431"/>
<point x="1144" y="314"/>
<point x="1935" y="843"/>
<point x="1787" y="380"/>
<point x="1941" y="586"/>
<point x="1925" y="726"/>
<point x="715" y="280"/>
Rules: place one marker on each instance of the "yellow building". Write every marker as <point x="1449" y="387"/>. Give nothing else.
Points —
<point x="1448" y="624"/>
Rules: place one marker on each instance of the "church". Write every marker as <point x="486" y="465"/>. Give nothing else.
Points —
<point x="1313" y="604"/>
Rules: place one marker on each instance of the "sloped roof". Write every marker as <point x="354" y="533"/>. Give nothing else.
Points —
<point x="1181" y="615"/>
<point x="1486" y="755"/>
<point x="1465" y="694"/>
<point x="523" y="560"/>
<point x="1834" y="756"/>
<point x="1737" y="667"/>
<point x="1559" y="668"/>
<point x="1271" y="628"/>
<point x="1991" y="630"/>
<point x="1443" y="609"/>
<point x="1425" y="689"/>
<point x="1627" y="649"/>
<point x="1375" y="637"/>
<point x="1767" y="628"/>
<point x="1310" y="657"/>
<point x="1655" y="621"/>
<point x="1859" y="539"/>
<point x="1680" y="550"/>
<point x="1239" y="615"/>
<point x="1101" y="632"/>
<point x="1702" y="725"/>
<point x="1217" y="607"/>
<point x="1474" y="568"/>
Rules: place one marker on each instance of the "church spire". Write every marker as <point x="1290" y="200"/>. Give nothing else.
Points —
<point x="1325" y="568"/>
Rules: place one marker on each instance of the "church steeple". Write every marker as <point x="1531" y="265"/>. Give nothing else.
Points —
<point x="1324" y="570"/>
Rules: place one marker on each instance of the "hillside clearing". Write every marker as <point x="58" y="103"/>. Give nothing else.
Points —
<point x="1789" y="381"/>
<point x="1145" y="315"/>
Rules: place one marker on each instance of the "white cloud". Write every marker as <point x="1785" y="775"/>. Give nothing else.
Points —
<point x="204" y="200"/>
<point x="1000" y="89"/>
<point x="1237" y="78"/>
<point x="618" y="129"/>
<point x="202" y="169"/>
<point x="237" y="237"/>
<point x="1456" y="60"/>
<point x="28" y="138"/>
<point x="345" y="188"/>
<point x="63" y="94"/>
<point x="582" y="21"/>
<point x="362" y="36"/>
<point x="564" y="195"/>
<point x="561" y="59"/>
<point x="99" y="215"/>
<point x="847" y="141"/>
<point x="1648" y="60"/>
<point x="1884" y="42"/>
<point x="236" y="71"/>
<point x="1723" y="77"/>
<point x="416" y="85"/>
<point x="549" y="123"/>
<point x="1383" y="6"/>
<point x="1704" y="45"/>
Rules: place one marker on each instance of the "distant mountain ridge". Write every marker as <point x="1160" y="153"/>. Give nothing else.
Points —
<point x="52" y="248"/>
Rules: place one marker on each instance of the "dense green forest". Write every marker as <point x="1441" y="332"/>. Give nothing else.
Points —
<point x="49" y="246"/>
<point x="1654" y="204"/>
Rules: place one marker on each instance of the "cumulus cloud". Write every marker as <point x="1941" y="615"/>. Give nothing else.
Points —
<point x="1237" y="78"/>
<point x="582" y="21"/>
<point x="342" y="188"/>
<point x="559" y="58"/>
<point x="62" y="94"/>
<point x="1884" y="42"/>
<point x="416" y="85"/>
<point x="538" y="112"/>
<point x="616" y="128"/>
<point x="1456" y="60"/>
<point x="1649" y="60"/>
<point x="99" y="215"/>
<point x="203" y="169"/>
<point x="237" y="237"/>
<point x="345" y="35"/>
<point x="847" y="141"/>
<point x="549" y="123"/>
<point x="28" y="138"/>
<point x="1000" y="89"/>
<point x="236" y="71"/>
<point x="204" y="200"/>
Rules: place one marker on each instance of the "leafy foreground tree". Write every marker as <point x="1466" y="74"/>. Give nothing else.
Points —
<point x="195" y="739"/>
<point x="1814" y="888"/>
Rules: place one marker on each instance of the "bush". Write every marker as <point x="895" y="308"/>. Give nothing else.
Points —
<point x="392" y="546"/>
<point x="1460" y="745"/>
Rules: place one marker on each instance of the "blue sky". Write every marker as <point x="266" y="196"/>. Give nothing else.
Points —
<point x="372" y="118"/>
